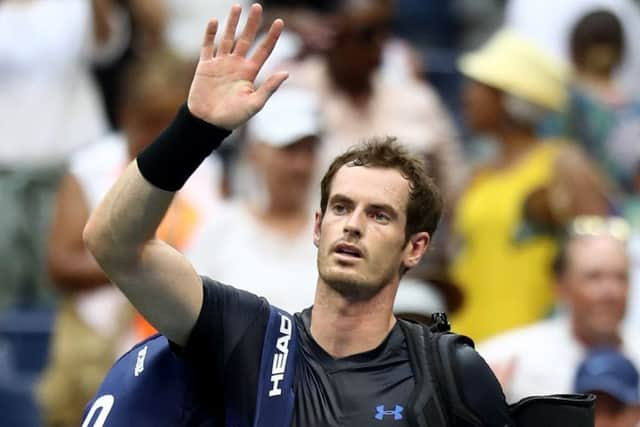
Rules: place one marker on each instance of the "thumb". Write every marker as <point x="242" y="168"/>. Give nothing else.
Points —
<point x="268" y="87"/>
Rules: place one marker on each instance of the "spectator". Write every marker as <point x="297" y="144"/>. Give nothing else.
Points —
<point x="591" y="272"/>
<point x="49" y="107"/>
<point x="310" y="20"/>
<point x="439" y="31"/>
<point x="275" y="221"/>
<point x="184" y="20"/>
<point x="549" y="26"/>
<point x="502" y="260"/>
<point x="95" y="322"/>
<point x="614" y="380"/>
<point x="602" y="116"/>
<point x="360" y="97"/>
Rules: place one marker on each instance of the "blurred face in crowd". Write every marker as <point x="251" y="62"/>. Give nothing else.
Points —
<point x="482" y="107"/>
<point x="359" y="40"/>
<point x="142" y="122"/>
<point x="610" y="412"/>
<point x="361" y="236"/>
<point x="595" y="286"/>
<point x="286" y="171"/>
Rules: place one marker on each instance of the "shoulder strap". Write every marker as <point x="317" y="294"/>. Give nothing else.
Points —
<point x="436" y="397"/>
<point x="448" y="376"/>
<point x="425" y="403"/>
<point x="276" y="396"/>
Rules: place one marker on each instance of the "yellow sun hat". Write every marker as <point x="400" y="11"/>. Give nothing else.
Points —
<point x="515" y="65"/>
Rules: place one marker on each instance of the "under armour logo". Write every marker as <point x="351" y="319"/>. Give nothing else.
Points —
<point x="397" y="412"/>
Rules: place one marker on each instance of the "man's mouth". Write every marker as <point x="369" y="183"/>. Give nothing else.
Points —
<point x="348" y="250"/>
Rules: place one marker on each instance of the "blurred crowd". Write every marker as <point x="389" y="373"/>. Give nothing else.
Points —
<point x="526" y="113"/>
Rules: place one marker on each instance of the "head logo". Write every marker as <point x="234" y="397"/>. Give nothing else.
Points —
<point x="140" y="361"/>
<point x="381" y="412"/>
<point x="280" y="356"/>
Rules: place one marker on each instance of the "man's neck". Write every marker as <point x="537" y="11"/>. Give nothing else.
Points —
<point x="344" y="327"/>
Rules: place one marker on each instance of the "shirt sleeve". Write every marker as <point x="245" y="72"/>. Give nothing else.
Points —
<point x="226" y="317"/>
<point x="480" y="390"/>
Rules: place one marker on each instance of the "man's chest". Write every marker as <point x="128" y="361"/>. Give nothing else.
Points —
<point x="366" y="396"/>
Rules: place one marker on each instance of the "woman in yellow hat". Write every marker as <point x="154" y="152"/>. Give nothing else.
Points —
<point x="503" y="259"/>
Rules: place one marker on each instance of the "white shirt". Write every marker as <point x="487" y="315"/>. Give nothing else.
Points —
<point x="633" y="304"/>
<point x="98" y="166"/>
<point x="547" y="356"/>
<point x="235" y="249"/>
<point x="49" y="103"/>
<point x="187" y="21"/>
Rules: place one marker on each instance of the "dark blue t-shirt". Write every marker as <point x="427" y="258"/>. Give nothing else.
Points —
<point x="370" y="388"/>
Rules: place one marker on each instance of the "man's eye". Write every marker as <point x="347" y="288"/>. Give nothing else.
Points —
<point x="339" y="209"/>
<point x="381" y="217"/>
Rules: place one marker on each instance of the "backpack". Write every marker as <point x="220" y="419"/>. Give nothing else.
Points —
<point x="151" y="386"/>
<point x="431" y="353"/>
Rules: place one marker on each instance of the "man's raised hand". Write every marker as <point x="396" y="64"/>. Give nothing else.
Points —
<point x="222" y="92"/>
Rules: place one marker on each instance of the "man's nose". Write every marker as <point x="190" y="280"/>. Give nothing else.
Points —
<point x="354" y="225"/>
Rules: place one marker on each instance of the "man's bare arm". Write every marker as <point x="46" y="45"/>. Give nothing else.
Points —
<point x="156" y="278"/>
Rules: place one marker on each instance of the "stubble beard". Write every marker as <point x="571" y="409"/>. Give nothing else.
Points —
<point x="354" y="288"/>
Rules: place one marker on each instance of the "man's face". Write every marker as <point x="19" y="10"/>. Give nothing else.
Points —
<point x="482" y="106"/>
<point x="287" y="171"/>
<point x="361" y="236"/>
<point x="143" y="122"/>
<point x="357" y="51"/>
<point x="595" y="285"/>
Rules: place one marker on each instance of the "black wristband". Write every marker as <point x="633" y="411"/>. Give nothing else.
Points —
<point x="177" y="152"/>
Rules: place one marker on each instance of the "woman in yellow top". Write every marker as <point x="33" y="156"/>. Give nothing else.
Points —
<point x="503" y="259"/>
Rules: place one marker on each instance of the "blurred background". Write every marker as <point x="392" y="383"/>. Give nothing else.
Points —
<point x="526" y="113"/>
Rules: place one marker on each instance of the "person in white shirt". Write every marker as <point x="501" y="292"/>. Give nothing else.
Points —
<point x="266" y="234"/>
<point x="49" y="106"/>
<point x="592" y="273"/>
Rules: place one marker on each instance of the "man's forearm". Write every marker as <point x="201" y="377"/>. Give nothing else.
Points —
<point x="126" y="219"/>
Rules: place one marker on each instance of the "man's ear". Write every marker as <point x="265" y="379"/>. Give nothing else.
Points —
<point x="415" y="249"/>
<point x="317" y="224"/>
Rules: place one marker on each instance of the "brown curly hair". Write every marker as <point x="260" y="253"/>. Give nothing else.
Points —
<point x="424" y="206"/>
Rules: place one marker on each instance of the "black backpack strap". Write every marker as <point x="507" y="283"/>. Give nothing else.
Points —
<point x="425" y="403"/>
<point x="448" y="376"/>
<point x="437" y="399"/>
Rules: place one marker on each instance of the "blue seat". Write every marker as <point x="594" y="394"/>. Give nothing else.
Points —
<point x="24" y="348"/>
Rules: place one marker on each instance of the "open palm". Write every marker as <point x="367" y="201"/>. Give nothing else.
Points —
<point x="222" y="92"/>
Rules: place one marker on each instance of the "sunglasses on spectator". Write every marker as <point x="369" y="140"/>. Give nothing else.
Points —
<point x="594" y="226"/>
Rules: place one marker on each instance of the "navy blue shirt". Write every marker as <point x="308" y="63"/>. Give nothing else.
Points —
<point x="370" y="388"/>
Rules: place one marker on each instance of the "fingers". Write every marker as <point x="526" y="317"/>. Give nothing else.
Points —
<point x="264" y="50"/>
<point x="206" y="51"/>
<point x="269" y="86"/>
<point x="226" y="44"/>
<point x="250" y="30"/>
